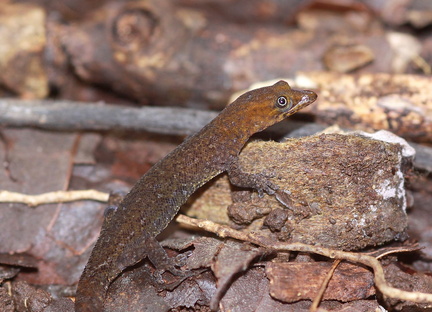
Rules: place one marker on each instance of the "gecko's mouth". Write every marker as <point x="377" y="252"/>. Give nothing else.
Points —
<point x="307" y="99"/>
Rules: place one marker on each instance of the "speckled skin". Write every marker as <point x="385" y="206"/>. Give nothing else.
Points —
<point x="128" y="233"/>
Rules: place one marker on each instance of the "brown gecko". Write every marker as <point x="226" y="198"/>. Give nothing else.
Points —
<point x="128" y="232"/>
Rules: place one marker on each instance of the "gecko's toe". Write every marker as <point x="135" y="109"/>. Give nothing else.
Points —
<point x="180" y="259"/>
<point x="283" y="196"/>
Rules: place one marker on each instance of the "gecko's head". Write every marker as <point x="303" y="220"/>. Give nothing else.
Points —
<point x="278" y="101"/>
<point x="266" y="106"/>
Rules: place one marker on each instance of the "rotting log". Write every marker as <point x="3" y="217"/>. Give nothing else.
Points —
<point x="347" y="191"/>
<point x="153" y="52"/>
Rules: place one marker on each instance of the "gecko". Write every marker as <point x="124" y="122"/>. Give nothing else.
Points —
<point x="129" y="230"/>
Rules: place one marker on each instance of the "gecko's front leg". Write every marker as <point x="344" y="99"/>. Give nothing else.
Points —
<point x="258" y="181"/>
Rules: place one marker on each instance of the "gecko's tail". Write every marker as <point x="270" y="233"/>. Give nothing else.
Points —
<point x="95" y="280"/>
<point x="98" y="274"/>
<point x="91" y="293"/>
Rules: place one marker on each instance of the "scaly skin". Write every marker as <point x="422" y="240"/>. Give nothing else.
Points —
<point x="128" y="233"/>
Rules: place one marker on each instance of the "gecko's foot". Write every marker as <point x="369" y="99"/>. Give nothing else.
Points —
<point x="188" y="274"/>
<point x="158" y="275"/>
<point x="283" y="196"/>
<point x="180" y="259"/>
<point x="172" y="265"/>
<point x="261" y="183"/>
<point x="266" y="186"/>
<point x="180" y="276"/>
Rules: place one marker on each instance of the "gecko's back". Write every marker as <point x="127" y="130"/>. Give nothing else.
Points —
<point x="128" y="232"/>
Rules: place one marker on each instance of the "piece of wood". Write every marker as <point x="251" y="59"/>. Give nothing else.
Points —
<point x="69" y="115"/>
<point x="401" y="104"/>
<point x="347" y="191"/>
<point x="291" y="282"/>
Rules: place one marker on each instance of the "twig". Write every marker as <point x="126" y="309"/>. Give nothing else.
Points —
<point x="373" y="263"/>
<point x="380" y="253"/>
<point x="52" y="197"/>
<point x="422" y="64"/>
<point x="69" y="115"/>
<point x="324" y="284"/>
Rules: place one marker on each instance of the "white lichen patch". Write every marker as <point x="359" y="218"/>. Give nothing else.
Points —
<point x="393" y="189"/>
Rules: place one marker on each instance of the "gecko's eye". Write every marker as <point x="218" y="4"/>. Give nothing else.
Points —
<point x="283" y="102"/>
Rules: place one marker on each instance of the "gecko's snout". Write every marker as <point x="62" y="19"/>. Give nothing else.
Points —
<point x="306" y="97"/>
<point x="309" y="96"/>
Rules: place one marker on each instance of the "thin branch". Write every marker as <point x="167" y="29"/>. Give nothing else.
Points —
<point x="324" y="284"/>
<point x="52" y="197"/>
<point x="382" y="252"/>
<point x="69" y="115"/>
<point x="225" y="231"/>
<point x="373" y="263"/>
